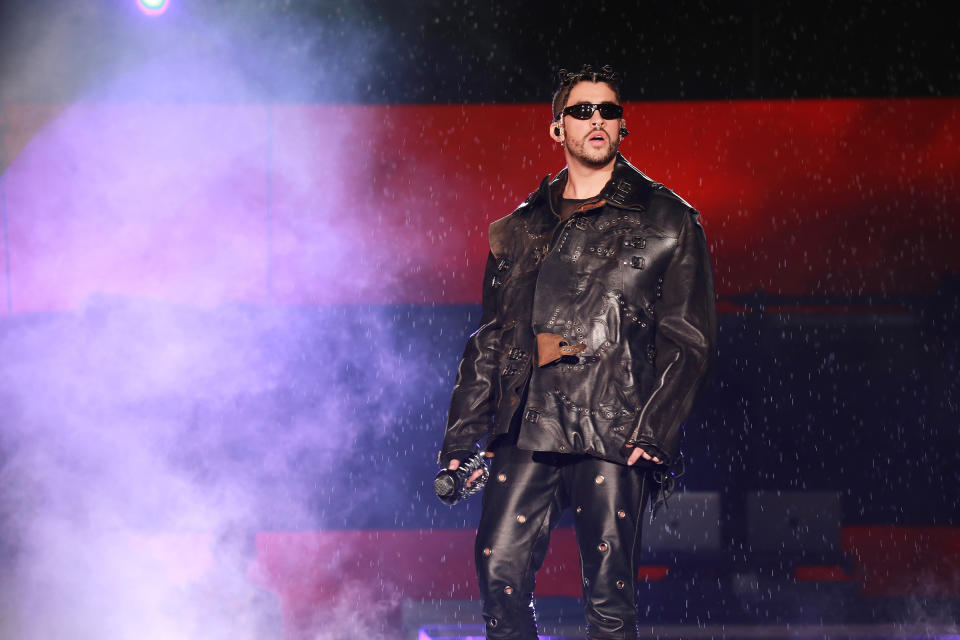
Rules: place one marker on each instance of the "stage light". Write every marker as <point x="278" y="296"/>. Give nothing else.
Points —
<point x="153" y="7"/>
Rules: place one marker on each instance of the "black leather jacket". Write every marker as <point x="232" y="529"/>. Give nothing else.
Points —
<point x="628" y="275"/>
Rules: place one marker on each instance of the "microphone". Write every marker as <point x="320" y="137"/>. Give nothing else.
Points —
<point x="450" y="485"/>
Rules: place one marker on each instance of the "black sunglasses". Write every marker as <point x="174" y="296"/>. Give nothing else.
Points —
<point x="583" y="111"/>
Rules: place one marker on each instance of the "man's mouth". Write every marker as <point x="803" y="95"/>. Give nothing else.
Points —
<point x="598" y="137"/>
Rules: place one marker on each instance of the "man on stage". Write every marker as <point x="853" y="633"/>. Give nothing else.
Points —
<point x="598" y="327"/>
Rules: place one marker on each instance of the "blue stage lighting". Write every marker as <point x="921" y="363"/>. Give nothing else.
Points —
<point x="153" y="7"/>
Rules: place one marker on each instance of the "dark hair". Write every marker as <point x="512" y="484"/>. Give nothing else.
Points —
<point x="568" y="79"/>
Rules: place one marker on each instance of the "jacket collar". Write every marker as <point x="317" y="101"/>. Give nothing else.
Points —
<point x="628" y="188"/>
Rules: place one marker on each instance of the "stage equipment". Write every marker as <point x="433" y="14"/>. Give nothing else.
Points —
<point x="794" y="523"/>
<point x="690" y="523"/>
<point x="153" y="7"/>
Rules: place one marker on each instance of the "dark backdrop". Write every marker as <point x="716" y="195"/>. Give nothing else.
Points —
<point x="439" y="51"/>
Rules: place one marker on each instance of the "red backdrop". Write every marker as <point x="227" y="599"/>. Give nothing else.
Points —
<point x="390" y="204"/>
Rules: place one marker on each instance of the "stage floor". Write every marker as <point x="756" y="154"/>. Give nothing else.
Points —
<point x="562" y="619"/>
<point x="726" y="632"/>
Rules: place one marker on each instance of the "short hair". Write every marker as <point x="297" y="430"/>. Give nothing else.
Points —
<point x="569" y="79"/>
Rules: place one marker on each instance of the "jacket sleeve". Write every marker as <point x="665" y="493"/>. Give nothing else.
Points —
<point x="685" y="341"/>
<point x="474" y="396"/>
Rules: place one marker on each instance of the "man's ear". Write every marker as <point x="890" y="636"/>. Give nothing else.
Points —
<point x="556" y="131"/>
<point x="623" y="128"/>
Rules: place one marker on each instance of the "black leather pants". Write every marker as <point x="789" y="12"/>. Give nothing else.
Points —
<point x="522" y="503"/>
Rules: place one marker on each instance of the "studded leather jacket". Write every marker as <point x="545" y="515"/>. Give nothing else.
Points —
<point x="628" y="276"/>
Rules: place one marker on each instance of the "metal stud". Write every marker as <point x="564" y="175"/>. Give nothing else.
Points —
<point x="488" y="552"/>
<point x="621" y="514"/>
<point x="502" y="477"/>
<point x="603" y="546"/>
<point x="620" y="584"/>
<point x="599" y="479"/>
<point x="508" y="590"/>
<point x="521" y="518"/>
<point x="579" y="509"/>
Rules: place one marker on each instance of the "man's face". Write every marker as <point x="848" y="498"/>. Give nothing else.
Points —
<point x="592" y="142"/>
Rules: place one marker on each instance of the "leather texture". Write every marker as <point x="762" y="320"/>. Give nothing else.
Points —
<point x="628" y="276"/>
<point x="522" y="504"/>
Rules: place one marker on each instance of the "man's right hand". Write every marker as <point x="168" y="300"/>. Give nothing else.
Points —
<point x="455" y="464"/>
<point x="640" y="453"/>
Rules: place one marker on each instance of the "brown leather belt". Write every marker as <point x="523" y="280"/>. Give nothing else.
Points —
<point x="551" y="347"/>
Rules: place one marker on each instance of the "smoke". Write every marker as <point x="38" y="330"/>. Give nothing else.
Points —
<point x="930" y="608"/>
<point x="145" y="444"/>
<point x="187" y="362"/>
<point x="214" y="51"/>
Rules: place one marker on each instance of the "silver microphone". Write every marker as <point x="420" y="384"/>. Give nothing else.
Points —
<point x="450" y="485"/>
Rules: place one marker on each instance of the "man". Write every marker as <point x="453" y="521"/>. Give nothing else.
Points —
<point x="598" y="327"/>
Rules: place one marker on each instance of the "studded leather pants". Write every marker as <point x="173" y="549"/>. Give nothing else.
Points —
<point x="522" y="503"/>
